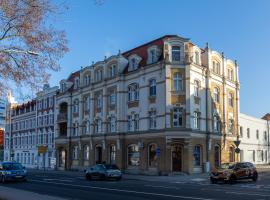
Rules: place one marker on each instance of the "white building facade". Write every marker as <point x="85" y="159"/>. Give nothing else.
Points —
<point x="29" y="128"/>
<point x="254" y="137"/>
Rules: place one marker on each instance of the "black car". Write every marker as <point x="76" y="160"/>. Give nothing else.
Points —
<point x="12" y="171"/>
<point x="103" y="171"/>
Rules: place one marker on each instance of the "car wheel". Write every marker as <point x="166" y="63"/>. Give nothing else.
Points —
<point x="232" y="179"/>
<point x="24" y="180"/>
<point x="213" y="181"/>
<point x="88" y="177"/>
<point x="3" y="179"/>
<point x="255" y="177"/>
<point x="119" y="178"/>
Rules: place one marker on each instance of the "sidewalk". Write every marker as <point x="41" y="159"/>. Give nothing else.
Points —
<point x="7" y="193"/>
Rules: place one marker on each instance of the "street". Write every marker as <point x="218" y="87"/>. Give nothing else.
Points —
<point x="71" y="185"/>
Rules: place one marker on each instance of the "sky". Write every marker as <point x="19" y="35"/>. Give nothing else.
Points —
<point x="239" y="28"/>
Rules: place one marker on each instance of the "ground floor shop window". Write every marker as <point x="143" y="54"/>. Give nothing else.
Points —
<point x="133" y="155"/>
<point x="152" y="155"/>
<point x="86" y="152"/>
<point x="112" y="154"/>
<point x="197" y="155"/>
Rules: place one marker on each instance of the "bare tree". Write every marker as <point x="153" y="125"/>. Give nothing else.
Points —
<point x="29" y="47"/>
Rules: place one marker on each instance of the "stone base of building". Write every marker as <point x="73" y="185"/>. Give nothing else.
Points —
<point x="162" y="153"/>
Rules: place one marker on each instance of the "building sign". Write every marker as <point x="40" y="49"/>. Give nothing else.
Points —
<point x="1" y="137"/>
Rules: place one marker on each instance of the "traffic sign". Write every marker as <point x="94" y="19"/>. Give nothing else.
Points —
<point x="237" y="142"/>
<point x="237" y="150"/>
<point x="42" y="149"/>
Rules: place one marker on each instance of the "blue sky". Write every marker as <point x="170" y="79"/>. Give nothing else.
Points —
<point x="239" y="28"/>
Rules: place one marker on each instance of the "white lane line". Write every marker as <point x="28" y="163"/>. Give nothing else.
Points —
<point x="160" y="186"/>
<point x="126" y="191"/>
<point x="53" y="179"/>
<point x="250" y="194"/>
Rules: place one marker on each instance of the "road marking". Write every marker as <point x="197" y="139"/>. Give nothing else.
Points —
<point x="126" y="191"/>
<point x="53" y="179"/>
<point x="160" y="186"/>
<point x="251" y="194"/>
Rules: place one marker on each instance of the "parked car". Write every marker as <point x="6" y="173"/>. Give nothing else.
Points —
<point x="230" y="172"/>
<point x="103" y="171"/>
<point x="12" y="171"/>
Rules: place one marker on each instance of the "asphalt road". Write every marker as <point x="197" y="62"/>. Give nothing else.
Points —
<point x="74" y="186"/>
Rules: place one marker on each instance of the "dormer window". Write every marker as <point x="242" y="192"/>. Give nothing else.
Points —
<point x="134" y="61"/>
<point x="216" y="67"/>
<point x="77" y="83"/>
<point x="133" y="64"/>
<point x="112" y="70"/>
<point x="87" y="79"/>
<point x="63" y="87"/>
<point x="230" y="75"/>
<point x="176" y="53"/>
<point x="197" y="58"/>
<point x="153" y="55"/>
<point x="98" y="75"/>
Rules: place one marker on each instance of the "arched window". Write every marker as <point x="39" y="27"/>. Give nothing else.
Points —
<point x="112" y="154"/>
<point x="177" y="82"/>
<point x="86" y="152"/>
<point x="112" y="70"/>
<point x="217" y="156"/>
<point x="133" y="155"/>
<point x="196" y="88"/>
<point x="231" y="154"/>
<point x="216" y="67"/>
<point x="216" y="95"/>
<point x="75" y="152"/>
<point x="87" y="79"/>
<point x="197" y="158"/>
<point x="152" y="88"/>
<point x="152" y="155"/>
<point x="230" y="74"/>
<point x="98" y="75"/>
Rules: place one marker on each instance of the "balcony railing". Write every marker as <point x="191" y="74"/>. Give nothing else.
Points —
<point x="62" y="117"/>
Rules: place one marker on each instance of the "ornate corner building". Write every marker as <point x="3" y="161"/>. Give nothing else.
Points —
<point x="166" y="106"/>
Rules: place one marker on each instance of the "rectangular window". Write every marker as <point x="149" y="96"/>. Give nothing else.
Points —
<point x="152" y="120"/>
<point x="176" y="53"/>
<point x="177" y="82"/>
<point x="136" y="122"/>
<point x="196" y="120"/>
<point x="152" y="87"/>
<point x="177" y="117"/>
<point x="248" y="133"/>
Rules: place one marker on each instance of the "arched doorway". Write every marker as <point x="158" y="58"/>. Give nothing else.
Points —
<point x="217" y="156"/>
<point x="62" y="159"/>
<point x="98" y="154"/>
<point x="177" y="156"/>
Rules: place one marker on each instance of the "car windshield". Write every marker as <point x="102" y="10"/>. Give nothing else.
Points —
<point x="227" y="166"/>
<point x="111" y="167"/>
<point x="12" y="166"/>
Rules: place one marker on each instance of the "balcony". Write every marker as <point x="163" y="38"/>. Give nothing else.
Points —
<point x="62" y="117"/>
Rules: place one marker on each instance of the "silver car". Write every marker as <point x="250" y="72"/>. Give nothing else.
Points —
<point x="103" y="171"/>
